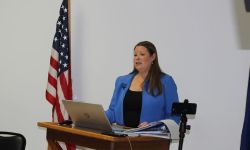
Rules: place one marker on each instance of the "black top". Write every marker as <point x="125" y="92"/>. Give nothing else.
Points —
<point x="132" y="108"/>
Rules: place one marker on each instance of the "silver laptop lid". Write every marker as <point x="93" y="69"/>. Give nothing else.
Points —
<point x="87" y="115"/>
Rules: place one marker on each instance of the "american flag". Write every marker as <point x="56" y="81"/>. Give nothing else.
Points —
<point x="59" y="85"/>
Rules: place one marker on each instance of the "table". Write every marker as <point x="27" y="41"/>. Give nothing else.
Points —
<point x="95" y="140"/>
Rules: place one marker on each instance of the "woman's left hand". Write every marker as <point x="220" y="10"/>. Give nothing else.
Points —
<point x="143" y="124"/>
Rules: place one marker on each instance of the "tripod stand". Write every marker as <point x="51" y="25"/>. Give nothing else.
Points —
<point x="183" y="109"/>
<point x="182" y="130"/>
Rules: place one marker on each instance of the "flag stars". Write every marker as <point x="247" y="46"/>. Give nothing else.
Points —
<point x="60" y="41"/>
<point x="63" y="45"/>
<point x="55" y="39"/>
<point x="59" y="23"/>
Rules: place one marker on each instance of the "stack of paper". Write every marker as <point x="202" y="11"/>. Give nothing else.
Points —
<point x="167" y="129"/>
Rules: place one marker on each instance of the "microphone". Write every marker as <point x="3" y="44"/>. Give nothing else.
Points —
<point x="124" y="85"/>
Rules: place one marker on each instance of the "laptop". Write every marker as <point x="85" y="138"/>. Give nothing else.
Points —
<point x="89" y="116"/>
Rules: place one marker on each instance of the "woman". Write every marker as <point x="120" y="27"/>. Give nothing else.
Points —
<point x="146" y="94"/>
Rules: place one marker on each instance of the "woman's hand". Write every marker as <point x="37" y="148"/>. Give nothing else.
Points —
<point x="143" y="124"/>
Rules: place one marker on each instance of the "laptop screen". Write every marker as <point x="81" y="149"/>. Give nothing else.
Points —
<point x="87" y="115"/>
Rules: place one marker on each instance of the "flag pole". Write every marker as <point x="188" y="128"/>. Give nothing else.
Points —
<point x="69" y="25"/>
<point x="69" y="30"/>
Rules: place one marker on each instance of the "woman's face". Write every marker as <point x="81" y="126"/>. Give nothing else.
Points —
<point x="142" y="59"/>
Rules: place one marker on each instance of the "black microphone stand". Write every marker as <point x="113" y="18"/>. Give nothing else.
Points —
<point x="182" y="130"/>
<point x="183" y="109"/>
<point x="183" y="126"/>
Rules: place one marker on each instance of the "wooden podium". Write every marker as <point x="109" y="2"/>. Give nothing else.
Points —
<point x="99" y="141"/>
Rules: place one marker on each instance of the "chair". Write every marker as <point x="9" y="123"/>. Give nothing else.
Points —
<point x="12" y="141"/>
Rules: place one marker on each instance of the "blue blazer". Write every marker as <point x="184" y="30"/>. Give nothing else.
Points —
<point x="154" y="108"/>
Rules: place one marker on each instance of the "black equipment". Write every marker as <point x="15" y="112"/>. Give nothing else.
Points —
<point x="183" y="109"/>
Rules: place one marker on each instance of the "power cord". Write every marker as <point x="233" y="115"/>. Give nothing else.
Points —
<point x="130" y="144"/>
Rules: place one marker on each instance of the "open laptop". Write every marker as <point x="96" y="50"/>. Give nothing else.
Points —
<point x="89" y="116"/>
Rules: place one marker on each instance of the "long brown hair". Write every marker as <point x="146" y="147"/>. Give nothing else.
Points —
<point x="153" y="77"/>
